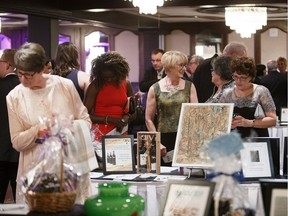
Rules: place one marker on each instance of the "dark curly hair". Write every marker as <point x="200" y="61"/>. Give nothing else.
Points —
<point x="110" y="61"/>
<point x="244" y="66"/>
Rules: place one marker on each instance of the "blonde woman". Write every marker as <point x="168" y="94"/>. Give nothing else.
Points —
<point x="165" y="98"/>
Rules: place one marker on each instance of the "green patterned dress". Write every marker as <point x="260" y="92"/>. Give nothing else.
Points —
<point x="168" y="111"/>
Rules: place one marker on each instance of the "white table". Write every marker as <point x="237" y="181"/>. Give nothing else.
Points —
<point x="153" y="193"/>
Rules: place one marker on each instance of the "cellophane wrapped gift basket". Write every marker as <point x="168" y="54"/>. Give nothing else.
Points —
<point x="51" y="184"/>
<point x="229" y="197"/>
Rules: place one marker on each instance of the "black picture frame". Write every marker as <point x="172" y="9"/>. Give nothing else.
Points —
<point x="275" y="151"/>
<point x="267" y="186"/>
<point x="263" y="163"/>
<point x="188" y="196"/>
<point x="118" y="154"/>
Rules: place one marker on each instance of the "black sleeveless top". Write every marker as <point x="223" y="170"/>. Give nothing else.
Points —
<point x="74" y="78"/>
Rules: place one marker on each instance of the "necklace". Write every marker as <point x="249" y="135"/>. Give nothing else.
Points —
<point x="170" y="87"/>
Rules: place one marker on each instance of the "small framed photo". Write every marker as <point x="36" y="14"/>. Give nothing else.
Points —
<point x="257" y="160"/>
<point x="187" y="197"/>
<point x="117" y="151"/>
<point x="148" y="152"/>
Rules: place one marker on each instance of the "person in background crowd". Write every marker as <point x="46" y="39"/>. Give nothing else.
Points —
<point x="202" y="77"/>
<point x="49" y="66"/>
<point x="106" y="98"/>
<point x="193" y="63"/>
<point x="282" y="64"/>
<point x="276" y="82"/>
<point x="260" y="73"/>
<point x="67" y="65"/>
<point x="221" y="77"/>
<point x="254" y="109"/>
<point x="166" y="97"/>
<point x="155" y="73"/>
<point x="39" y="96"/>
<point x="9" y="157"/>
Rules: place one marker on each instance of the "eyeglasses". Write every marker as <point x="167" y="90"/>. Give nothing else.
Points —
<point x="240" y="78"/>
<point x="181" y="65"/>
<point x="190" y="63"/>
<point x="26" y="75"/>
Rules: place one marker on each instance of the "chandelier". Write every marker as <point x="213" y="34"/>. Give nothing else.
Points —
<point x="147" y="6"/>
<point x="245" y="20"/>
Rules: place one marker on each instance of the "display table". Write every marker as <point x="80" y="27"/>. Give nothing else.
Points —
<point x="281" y="132"/>
<point x="153" y="192"/>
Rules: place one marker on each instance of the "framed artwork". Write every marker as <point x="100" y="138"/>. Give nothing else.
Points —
<point x="274" y="195"/>
<point x="257" y="160"/>
<point x="117" y="151"/>
<point x="148" y="152"/>
<point x="274" y="143"/>
<point x="187" y="197"/>
<point x="284" y="116"/>
<point x="198" y="125"/>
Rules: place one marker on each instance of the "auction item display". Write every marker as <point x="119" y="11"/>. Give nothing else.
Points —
<point x="51" y="184"/>
<point x="114" y="199"/>
<point x="198" y="125"/>
<point x="148" y="152"/>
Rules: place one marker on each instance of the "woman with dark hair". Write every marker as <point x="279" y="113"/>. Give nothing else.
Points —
<point x="254" y="108"/>
<point x="67" y="65"/>
<point x="107" y="94"/>
<point x="221" y="77"/>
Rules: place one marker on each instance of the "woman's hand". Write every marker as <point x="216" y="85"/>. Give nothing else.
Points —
<point x="119" y="123"/>
<point x="163" y="150"/>
<point x="239" y="121"/>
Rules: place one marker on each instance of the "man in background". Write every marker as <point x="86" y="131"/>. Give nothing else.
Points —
<point x="154" y="73"/>
<point x="276" y="82"/>
<point x="202" y="77"/>
<point x="9" y="157"/>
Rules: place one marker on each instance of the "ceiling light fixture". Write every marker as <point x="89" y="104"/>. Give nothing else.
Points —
<point x="246" y="20"/>
<point x="147" y="6"/>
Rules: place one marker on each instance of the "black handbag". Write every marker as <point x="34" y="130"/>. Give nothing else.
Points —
<point x="140" y="113"/>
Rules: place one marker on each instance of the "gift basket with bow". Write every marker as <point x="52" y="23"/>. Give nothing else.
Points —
<point x="229" y="197"/>
<point x="51" y="184"/>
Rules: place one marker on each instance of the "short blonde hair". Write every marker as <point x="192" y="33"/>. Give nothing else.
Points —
<point x="171" y="58"/>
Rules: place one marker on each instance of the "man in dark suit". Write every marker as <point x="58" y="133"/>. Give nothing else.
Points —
<point x="276" y="82"/>
<point x="202" y="77"/>
<point x="155" y="73"/>
<point x="9" y="157"/>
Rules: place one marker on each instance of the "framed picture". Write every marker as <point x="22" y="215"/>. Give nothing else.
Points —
<point x="274" y="143"/>
<point x="148" y="152"/>
<point x="199" y="124"/>
<point x="274" y="195"/>
<point x="257" y="160"/>
<point x="117" y="151"/>
<point x="187" y="197"/>
<point x="284" y="116"/>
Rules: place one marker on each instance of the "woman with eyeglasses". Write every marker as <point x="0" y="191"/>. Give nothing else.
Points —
<point x="221" y="77"/>
<point x="38" y="96"/>
<point x="254" y="108"/>
<point x="165" y="98"/>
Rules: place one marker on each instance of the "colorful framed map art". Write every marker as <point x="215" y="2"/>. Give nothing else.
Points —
<point x="198" y="125"/>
